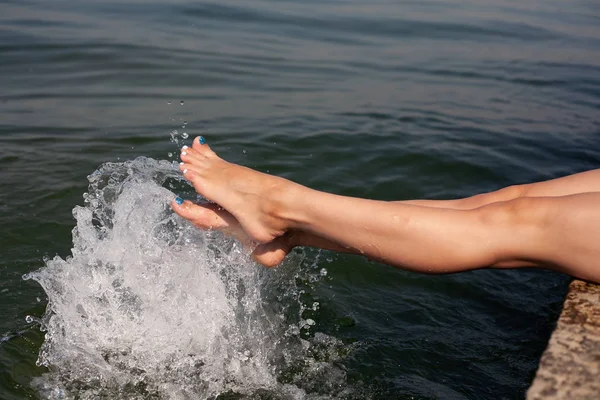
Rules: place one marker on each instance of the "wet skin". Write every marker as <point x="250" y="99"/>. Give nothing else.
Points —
<point x="549" y="224"/>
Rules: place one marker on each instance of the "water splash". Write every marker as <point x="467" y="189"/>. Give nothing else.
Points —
<point x="148" y="306"/>
<point x="176" y="137"/>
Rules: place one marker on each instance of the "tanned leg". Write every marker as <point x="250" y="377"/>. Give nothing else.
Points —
<point x="570" y="234"/>
<point x="583" y="182"/>
<point x="409" y="236"/>
<point x="212" y="216"/>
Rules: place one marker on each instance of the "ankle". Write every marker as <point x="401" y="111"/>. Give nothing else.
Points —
<point x="285" y="204"/>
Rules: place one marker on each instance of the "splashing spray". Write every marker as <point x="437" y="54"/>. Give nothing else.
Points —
<point x="148" y="306"/>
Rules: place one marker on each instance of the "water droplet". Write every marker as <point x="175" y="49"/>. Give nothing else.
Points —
<point x="29" y="319"/>
<point x="185" y="135"/>
<point x="170" y="154"/>
<point x="38" y="299"/>
<point x="185" y="122"/>
<point x="168" y="306"/>
<point x="181" y="103"/>
<point x="323" y="272"/>
<point x="168" y="102"/>
<point x="244" y="151"/>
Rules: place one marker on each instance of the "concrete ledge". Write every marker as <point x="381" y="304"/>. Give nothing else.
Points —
<point x="570" y="366"/>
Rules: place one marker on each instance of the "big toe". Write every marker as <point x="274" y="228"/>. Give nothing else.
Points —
<point x="203" y="216"/>
<point x="199" y="144"/>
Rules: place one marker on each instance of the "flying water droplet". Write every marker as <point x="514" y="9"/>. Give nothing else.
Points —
<point x="175" y="136"/>
<point x="170" y="154"/>
<point x="185" y="135"/>
<point x="181" y="102"/>
<point x="117" y="299"/>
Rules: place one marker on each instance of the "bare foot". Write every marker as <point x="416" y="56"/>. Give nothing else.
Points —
<point x="253" y="198"/>
<point x="212" y="216"/>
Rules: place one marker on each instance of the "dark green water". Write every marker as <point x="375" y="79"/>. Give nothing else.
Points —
<point x="381" y="99"/>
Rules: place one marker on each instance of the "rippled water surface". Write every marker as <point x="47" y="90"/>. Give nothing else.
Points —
<point x="381" y="99"/>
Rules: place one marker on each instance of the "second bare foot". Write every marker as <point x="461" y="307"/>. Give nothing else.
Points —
<point x="212" y="216"/>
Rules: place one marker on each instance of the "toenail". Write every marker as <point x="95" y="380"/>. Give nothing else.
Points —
<point x="181" y="163"/>
<point x="202" y="140"/>
<point x="183" y="153"/>
<point x="184" y="147"/>
<point x="185" y="171"/>
<point x="179" y="200"/>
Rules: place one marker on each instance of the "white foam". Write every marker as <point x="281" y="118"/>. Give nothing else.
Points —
<point x="148" y="305"/>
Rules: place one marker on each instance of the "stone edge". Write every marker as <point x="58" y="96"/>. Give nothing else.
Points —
<point x="570" y="365"/>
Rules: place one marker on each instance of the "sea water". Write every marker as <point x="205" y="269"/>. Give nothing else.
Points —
<point x="389" y="100"/>
<point x="148" y="306"/>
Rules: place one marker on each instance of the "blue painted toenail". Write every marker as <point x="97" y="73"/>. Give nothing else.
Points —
<point x="202" y="140"/>
<point x="179" y="200"/>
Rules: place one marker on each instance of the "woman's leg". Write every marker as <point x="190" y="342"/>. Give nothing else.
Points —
<point x="212" y="216"/>
<point x="583" y="182"/>
<point x="409" y="236"/>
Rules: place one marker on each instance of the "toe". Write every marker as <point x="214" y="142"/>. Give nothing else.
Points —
<point x="189" y="155"/>
<point x="204" y="217"/>
<point x="190" y="165"/>
<point x="195" y="176"/>
<point x="199" y="144"/>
